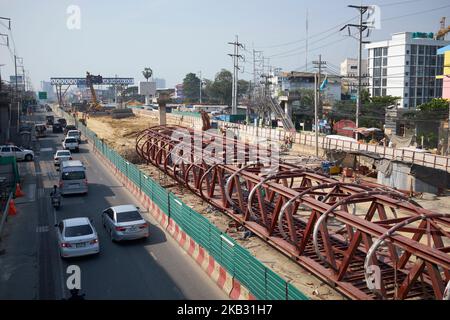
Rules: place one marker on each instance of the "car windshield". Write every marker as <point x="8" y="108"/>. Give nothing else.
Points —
<point x="63" y="153"/>
<point x="128" y="216"/>
<point x="73" y="134"/>
<point x="71" y="140"/>
<point x="73" y="175"/>
<point x="78" y="231"/>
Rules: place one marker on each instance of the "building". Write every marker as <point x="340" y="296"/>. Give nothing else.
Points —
<point x="349" y="74"/>
<point x="179" y="91"/>
<point x="284" y="83"/>
<point x="160" y="83"/>
<point x="406" y="67"/>
<point x="46" y="86"/>
<point x="445" y="76"/>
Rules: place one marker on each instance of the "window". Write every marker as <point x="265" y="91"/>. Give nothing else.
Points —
<point x="383" y="92"/>
<point x="407" y="51"/>
<point x="377" y="72"/>
<point x="128" y="216"/>
<point x="421" y="61"/>
<point x="407" y="63"/>
<point x="412" y="92"/>
<point x="385" y="51"/>
<point x="377" y="82"/>
<point x="419" y="82"/>
<point x="376" y="92"/>
<point x="406" y="84"/>
<point x="377" y="52"/>
<point x="384" y="82"/>
<point x="353" y="67"/>
<point x="110" y="214"/>
<point x="74" y="175"/>
<point x="6" y="149"/>
<point x="419" y="92"/>
<point x="377" y="62"/>
<point x="413" y="70"/>
<point x="421" y="49"/>
<point x="384" y="61"/>
<point x="384" y="72"/>
<point x="406" y="94"/>
<point x="15" y="149"/>
<point x="78" y="231"/>
<point x="413" y="49"/>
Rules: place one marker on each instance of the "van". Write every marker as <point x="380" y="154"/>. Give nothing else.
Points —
<point x="72" y="178"/>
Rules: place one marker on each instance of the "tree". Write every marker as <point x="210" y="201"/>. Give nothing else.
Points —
<point x="221" y="87"/>
<point x="243" y="86"/>
<point x="191" y="87"/>
<point x="147" y="73"/>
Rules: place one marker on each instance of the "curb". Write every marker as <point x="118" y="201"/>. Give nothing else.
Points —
<point x="225" y="281"/>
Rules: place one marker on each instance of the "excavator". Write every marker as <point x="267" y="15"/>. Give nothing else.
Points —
<point x="94" y="105"/>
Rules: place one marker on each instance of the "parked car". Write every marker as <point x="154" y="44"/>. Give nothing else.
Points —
<point x="19" y="153"/>
<point x="71" y="144"/>
<point x="74" y="134"/>
<point x="124" y="223"/>
<point x="72" y="178"/>
<point x="69" y="127"/>
<point x="60" y="156"/>
<point x="62" y="121"/>
<point x="77" y="237"/>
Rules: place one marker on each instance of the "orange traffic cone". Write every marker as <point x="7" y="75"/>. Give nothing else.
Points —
<point x="19" y="192"/>
<point x="12" y="208"/>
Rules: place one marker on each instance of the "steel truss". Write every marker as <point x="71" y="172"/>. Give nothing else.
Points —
<point x="368" y="242"/>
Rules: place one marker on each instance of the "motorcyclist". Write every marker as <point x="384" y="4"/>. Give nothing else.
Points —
<point x="55" y="194"/>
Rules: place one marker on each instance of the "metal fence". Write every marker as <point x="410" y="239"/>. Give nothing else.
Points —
<point x="262" y="282"/>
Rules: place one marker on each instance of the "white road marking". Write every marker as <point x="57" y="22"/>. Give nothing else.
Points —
<point x="42" y="229"/>
<point x="46" y="149"/>
<point x="153" y="256"/>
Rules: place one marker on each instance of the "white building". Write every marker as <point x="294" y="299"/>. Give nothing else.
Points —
<point x="405" y="67"/>
<point x="160" y="83"/>
<point x="47" y="87"/>
<point x="349" y="74"/>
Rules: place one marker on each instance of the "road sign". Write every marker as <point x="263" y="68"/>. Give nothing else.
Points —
<point x="42" y="95"/>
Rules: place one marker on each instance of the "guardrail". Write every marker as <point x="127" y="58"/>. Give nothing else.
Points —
<point x="5" y="213"/>
<point x="260" y="280"/>
<point x="308" y="139"/>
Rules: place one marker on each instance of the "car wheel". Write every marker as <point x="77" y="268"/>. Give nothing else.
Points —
<point x="28" y="157"/>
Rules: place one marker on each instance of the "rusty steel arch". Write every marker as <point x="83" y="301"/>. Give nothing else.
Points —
<point x="326" y="226"/>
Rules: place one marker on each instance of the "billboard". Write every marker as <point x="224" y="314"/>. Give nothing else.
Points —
<point x="147" y="88"/>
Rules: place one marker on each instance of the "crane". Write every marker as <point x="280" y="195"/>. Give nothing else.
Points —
<point x="440" y="35"/>
<point x="94" y="105"/>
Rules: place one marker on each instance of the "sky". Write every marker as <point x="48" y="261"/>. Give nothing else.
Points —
<point x="175" y="37"/>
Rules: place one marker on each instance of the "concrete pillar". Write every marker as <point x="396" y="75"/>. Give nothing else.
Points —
<point x="288" y="109"/>
<point x="162" y="100"/>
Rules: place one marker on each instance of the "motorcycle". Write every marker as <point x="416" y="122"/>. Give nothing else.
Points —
<point x="56" y="201"/>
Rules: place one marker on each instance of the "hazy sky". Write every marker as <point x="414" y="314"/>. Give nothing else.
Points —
<point x="175" y="37"/>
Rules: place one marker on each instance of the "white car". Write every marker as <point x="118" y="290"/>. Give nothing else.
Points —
<point x="124" y="223"/>
<point x="19" y="153"/>
<point x="71" y="144"/>
<point x="74" y="134"/>
<point x="61" y="155"/>
<point x="77" y="237"/>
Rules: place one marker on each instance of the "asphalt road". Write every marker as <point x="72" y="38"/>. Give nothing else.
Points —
<point x="156" y="268"/>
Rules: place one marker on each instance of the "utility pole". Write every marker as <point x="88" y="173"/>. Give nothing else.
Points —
<point x="236" y="56"/>
<point x="306" y="49"/>
<point x="317" y="64"/>
<point x="362" y="26"/>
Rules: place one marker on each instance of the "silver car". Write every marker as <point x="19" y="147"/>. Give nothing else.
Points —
<point x="61" y="155"/>
<point x="124" y="223"/>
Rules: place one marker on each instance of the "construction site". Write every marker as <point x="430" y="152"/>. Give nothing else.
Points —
<point x="328" y="234"/>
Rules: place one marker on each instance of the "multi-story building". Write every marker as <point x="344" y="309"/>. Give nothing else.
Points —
<point x="349" y="74"/>
<point x="160" y="83"/>
<point x="46" y="86"/>
<point x="406" y="67"/>
<point x="445" y="76"/>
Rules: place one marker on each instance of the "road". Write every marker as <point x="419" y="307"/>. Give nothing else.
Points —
<point x="156" y="268"/>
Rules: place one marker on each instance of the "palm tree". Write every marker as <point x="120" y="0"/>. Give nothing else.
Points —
<point x="147" y="73"/>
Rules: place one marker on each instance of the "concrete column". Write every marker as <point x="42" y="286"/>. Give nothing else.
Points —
<point x="288" y="109"/>
<point x="162" y="110"/>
